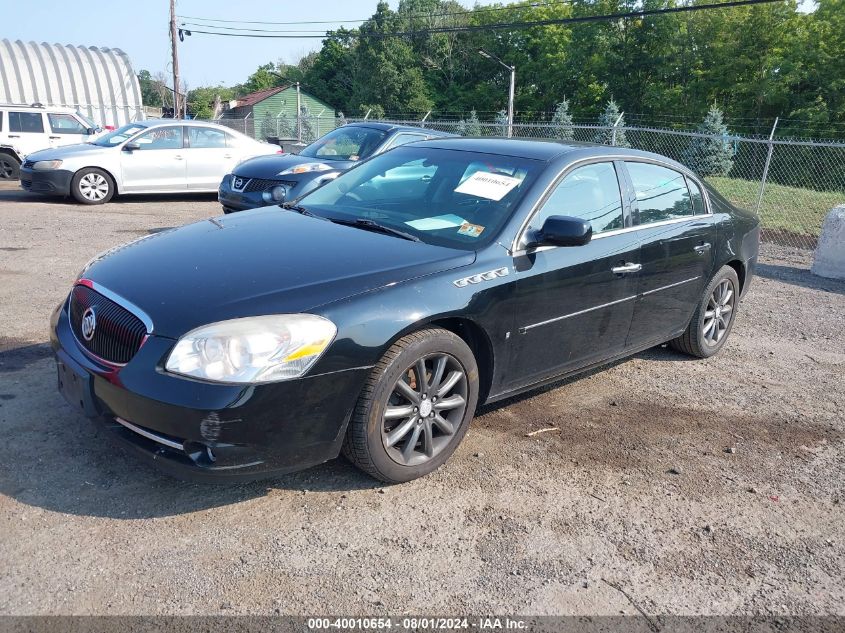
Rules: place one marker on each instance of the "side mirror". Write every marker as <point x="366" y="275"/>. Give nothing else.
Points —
<point x="562" y="230"/>
<point x="91" y="131"/>
<point x="131" y="147"/>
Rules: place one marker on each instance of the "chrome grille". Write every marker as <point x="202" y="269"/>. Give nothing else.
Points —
<point x="118" y="334"/>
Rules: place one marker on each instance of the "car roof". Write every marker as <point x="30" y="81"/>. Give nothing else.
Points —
<point x="545" y="150"/>
<point x="397" y="127"/>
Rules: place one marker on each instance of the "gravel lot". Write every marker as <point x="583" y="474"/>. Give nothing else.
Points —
<point x="698" y="487"/>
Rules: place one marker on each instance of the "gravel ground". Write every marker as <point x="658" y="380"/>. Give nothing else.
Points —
<point x="697" y="487"/>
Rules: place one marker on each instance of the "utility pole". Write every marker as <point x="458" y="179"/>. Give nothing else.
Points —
<point x="511" y="88"/>
<point x="177" y="111"/>
<point x="298" y="114"/>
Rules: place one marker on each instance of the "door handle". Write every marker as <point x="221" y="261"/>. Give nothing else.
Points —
<point x="178" y="158"/>
<point x="56" y="137"/>
<point x="702" y="248"/>
<point x="227" y="156"/>
<point x="14" y="135"/>
<point x="626" y="268"/>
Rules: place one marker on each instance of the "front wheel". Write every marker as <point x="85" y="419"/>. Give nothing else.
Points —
<point x="10" y="168"/>
<point x="415" y="407"/>
<point x="713" y="319"/>
<point x="92" y="186"/>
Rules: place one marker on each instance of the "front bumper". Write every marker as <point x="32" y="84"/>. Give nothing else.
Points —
<point x="236" y="200"/>
<point x="204" y="431"/>
<point x="53" y="181"/>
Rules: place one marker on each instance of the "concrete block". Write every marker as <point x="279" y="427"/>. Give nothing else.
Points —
<point x="829" y="258"/>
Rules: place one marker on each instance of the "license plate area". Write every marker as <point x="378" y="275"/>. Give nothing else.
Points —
<point x="76" y="387"/>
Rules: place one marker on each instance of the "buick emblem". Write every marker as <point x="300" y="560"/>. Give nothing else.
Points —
<point x="238" y="183"/>
<point x="89" y="324"/>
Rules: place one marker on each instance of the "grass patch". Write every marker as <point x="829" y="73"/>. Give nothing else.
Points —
<point x="792" y="209"/>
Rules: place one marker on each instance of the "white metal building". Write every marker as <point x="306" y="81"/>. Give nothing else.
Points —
<point x="99" y="82"/>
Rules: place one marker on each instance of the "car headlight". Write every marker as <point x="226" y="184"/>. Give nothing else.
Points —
<point x="44" y="165"/>
<point x="252" y="349"/>
<point x="304" y="168"/>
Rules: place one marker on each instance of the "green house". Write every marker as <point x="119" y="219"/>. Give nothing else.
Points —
<point x="272" y="113"/>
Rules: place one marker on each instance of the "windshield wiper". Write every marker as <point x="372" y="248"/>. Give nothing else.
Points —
<point x="290" y="206"/>
<point x="370" y="225"/>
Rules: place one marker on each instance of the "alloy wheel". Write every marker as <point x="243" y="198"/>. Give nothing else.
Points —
<point x="6" y="169"/>
<point x="719" y="311"/>
<point x="424" y="410"/>
<point x="94" y="186"/>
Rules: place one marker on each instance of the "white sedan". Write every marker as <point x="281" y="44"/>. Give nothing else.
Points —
<point x="154" y="156"/>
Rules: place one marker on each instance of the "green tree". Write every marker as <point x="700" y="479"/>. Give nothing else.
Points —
<point x="201" y="100"/>
<point x="562" y="122"/>
<point x="713" y="155"/>
<point x="266" y="76"/>
<point x="612" y="135"/>
<point x="473" y="125"/>
<point x="150" y="89"/>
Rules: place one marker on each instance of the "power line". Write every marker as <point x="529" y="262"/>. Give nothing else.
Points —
<point x="532" y="5"/>
<point x="516" y="25"/>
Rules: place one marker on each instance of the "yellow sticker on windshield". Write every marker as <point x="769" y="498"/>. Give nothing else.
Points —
<point x="470" y="230"/>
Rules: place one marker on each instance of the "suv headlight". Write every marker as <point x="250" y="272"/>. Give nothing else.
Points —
<point x="305" y="167"/>
<point x="253" y="349"/>
<point x="44" y="165"/>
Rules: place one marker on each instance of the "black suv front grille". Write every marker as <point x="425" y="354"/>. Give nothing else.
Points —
<point x="259" y="184"/>
<point x="118" y="334"/>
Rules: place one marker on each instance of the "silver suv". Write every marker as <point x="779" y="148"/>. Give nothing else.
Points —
<point x="26" y="129"/>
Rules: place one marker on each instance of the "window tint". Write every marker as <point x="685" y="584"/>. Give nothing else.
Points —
<point x="404" y="137"/>
<point x="590" y="193"/>
<point x="662" y="193"/>
<point x="697" y="198"/>
<point x="161" y="138"/>
<point x="26" y="122"/>
<point x="349" y="142"/>
<point x="66" y="124"/>
<point x="205" y="137"/>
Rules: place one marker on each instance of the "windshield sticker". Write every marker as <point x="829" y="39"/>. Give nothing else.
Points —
<point x="470" y="230"/>
<point x="485" y="184"/>
<point x="436" y="223"/>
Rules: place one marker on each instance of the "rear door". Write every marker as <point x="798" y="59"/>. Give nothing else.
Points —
<point x="678" y="237"/>
<point x="158" y="165"/>
<point x="574" y="304"/>
<point x="27" y="131"/>
<point x="207" y="156"/>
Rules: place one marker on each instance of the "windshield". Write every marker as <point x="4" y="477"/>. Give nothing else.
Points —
<point x="86" y="120"/>
<point x="119" y="135"/>
<point x="345" y="143"/>
<point x="445" y="197"/>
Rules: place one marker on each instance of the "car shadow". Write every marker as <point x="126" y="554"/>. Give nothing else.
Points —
<point x="19" y="195"/>
<point x="53" y="458"/>
<point x="799" y="277"/>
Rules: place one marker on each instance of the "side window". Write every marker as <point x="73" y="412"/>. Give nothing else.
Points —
<point x="697" y="198"/>
<point x="206" y="137"/>
<point x="662" y="193"/>
<point x="402" y="138"/>
<point x="161" y="138"/>
<point x="66" y="124"/>
<point x="30" y="122"/>
<point x="590" y="193"/>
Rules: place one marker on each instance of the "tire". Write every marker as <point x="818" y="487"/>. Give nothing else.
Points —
<point x="375" y="443"/>
<point x="92" y="186"/>
<point x="708" y="329"/>
<point x="10" y="167"/>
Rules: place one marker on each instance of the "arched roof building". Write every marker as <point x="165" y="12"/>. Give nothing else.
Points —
<point x="99" y="82"/>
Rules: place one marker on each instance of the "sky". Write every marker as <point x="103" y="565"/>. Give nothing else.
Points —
<point x="141" y="29"/>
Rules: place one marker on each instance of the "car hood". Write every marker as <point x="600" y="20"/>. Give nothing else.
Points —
<point x="67" y="151"/>
<point x="268" y="167"/>
<point x="266" y="261"/>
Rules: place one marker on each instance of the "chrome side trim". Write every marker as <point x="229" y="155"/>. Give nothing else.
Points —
<point x="677" y="283"/>
<point x="124" y="303"/>
<point x="149" y="435"/>
<point x="525" y="328"/>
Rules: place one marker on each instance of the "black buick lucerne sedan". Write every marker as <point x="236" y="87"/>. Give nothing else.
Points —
<point x="273" y="179"/>
<point x="374" y="314"/>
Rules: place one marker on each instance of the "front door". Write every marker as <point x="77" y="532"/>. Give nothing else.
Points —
<point x="66" y="129"/>
<point x="158" y="164"/>
<point x="574" y="304"/>
<point x="678" y="237"/>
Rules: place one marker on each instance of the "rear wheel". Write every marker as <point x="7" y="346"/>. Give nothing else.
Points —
<point x="713" y="319"/>
<point x="10" y="168"/>
<point x="415" y="407"/>
<point x="92" y="186"/>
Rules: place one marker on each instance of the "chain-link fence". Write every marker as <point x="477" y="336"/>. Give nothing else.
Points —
<point x="791" y="184"/>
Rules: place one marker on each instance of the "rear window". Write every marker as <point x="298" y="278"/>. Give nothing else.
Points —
<point x="346" y="143"/>
<point x="27" y="122"/>
<point x="662" y="193"/>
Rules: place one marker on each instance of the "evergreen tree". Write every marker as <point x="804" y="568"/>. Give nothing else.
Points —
<point x="713" y="155"/>
<point x="473" y="125"/>
<point x="562" y="122"/>
<point x="502" y="122"/>
<point x="606" y="120"/>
